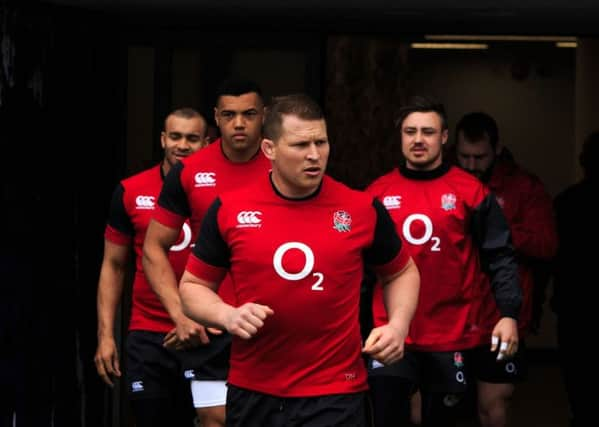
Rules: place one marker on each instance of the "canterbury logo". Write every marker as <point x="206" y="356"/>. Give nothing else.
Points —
<point x="205" y="179"/>
<point x="392" y="202"/>
<point x="249" y="219"/>
<point x="145" y="202"/>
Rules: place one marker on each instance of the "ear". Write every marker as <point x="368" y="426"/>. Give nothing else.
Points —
<point x="216" y="116"/>
<point x="268" y="148"/>
<point x="498" y="148"/>
<point x="163" y="139"/>
<point x="444" y="136"/>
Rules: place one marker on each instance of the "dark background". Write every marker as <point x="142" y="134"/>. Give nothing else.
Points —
<point x="64" y="148"/>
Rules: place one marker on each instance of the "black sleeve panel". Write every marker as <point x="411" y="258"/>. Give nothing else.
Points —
<point x="386" y="243"/>
<point x="210" y="246"/>
<point x="492" y="235"/>
<point x="172" y="196"/>
<point x="117" y="216"/>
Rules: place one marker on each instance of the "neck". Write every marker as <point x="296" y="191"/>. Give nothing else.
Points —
<point x="240" y="156"/>
<point x="165" y="167"/>
<point x="288" y="192"/>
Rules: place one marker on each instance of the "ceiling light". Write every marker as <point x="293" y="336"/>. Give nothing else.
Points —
<point x="509" y="38"/>
<point x="449" y="46"/>
<point x="566" y="44"/>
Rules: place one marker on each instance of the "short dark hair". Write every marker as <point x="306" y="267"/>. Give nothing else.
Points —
<point x="421" y="104"/>
<point x="589" y="157"/>
<point x="238" y="87"/>
<point x="186" y="113"/>
<point x="476" y="125"/>
<point x="297" y="104"/>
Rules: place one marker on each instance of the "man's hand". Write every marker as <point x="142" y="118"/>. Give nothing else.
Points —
<point x="505" y="337"/>
<point x="186" y="334"/>
<point x="245" y="321"/>
<point x="107" y="361"/>
<point x="385" y="344"/>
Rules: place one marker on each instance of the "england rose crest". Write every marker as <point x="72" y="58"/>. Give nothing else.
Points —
<point x="342" y="221"/>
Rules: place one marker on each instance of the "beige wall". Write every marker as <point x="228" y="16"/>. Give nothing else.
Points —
<point x="535" y="113"/>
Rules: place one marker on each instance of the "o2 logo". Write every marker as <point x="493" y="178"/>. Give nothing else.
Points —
<point x="426" y="236"/>
<point x="186" y="239"/>
<point x="277" y="262"/>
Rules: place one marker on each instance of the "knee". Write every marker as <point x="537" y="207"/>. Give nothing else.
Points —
<point x="211" y="417"/>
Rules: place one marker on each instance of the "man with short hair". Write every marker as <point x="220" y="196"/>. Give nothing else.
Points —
<point x="295" y="243"/>
<point x="158" y="390"/>
<point x="232" y="161"/>
<point x="454" y="229"/>
<point x="528" y="210"/>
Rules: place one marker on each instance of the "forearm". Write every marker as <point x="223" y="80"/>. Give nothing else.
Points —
<point x="110" y="290"/>
<point x="400" y="294"/>
<point x="157" y="267"/>
<point x="202" y="304"/>
<point x="163" y="281"/>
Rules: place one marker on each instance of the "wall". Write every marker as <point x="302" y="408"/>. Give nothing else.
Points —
<point x="528" y="88"/>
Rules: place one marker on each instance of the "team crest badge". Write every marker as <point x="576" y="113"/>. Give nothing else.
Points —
<point x="342" y="221"/>
<point x="448" y="201"/>
<point x="458" y="359"/>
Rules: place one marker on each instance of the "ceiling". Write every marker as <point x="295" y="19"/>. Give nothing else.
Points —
<point x="560" y="17"/>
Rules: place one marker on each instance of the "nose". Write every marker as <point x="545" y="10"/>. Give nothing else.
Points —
<point x="238" y="121"/>
<point x="313" y="152"/>
<point x="419" y="136"/>
<point x="470" y="164"/>
<point x="183" y="144"/>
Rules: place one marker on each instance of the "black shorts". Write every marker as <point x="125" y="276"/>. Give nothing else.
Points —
<point x="246" y="408"/>
<point x="211" y="362"/>
<point x="446" y="372"/>
<point x="487" y="368"/>
<point x="155" y="371"/>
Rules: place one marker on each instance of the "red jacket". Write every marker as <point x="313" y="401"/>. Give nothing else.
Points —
<point x="529" y="211"/>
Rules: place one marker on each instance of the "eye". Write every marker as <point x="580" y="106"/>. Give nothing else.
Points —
<point x="193" y="138"/>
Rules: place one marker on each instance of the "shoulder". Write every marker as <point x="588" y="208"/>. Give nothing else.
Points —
<point x="517" y="175"/>
<point x="207" y="155"/>
<point x="459" y="175"/>
<point x="464" y="180"/>
<point x="340" y="195"/>
<point x="383" y="182"/>
<point x="143" y="179"/>
<point x="466" y="186"/>
<point x="256" y="190"/>
<point x="331" y="185"/>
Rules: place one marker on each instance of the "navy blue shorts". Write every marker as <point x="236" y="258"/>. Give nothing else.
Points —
<point x="447" y="372"/>
<point x="246" y="408"/>
<point x="487" y="368"/>
<point x="155" y="371"/>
